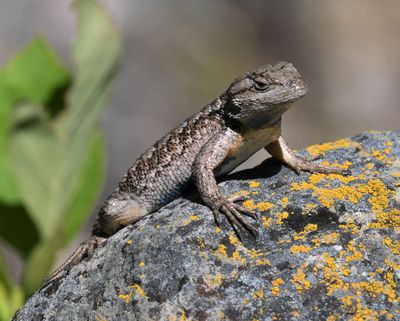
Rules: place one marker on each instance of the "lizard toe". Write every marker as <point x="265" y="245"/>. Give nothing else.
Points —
<point x="233" y="212"/>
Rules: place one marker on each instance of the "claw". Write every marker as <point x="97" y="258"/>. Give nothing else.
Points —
<point x="237" y="198"/>
<point x="235" y="214"/>
<point x="217" y="217"/>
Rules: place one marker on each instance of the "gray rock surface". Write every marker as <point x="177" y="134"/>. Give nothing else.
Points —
<point x="329" y="249"/>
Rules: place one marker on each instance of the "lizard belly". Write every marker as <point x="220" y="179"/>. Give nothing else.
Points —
<point x="251" y="142"/>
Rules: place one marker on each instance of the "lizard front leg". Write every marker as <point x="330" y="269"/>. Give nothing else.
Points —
<point x="212" y="154"/>
<point x="281" y="151"/>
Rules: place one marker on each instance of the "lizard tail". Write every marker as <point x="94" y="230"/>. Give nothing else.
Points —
<point x="85" y="249"/>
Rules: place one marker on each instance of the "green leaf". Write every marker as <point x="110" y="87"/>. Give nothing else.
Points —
<point x="88" y="190"/>
<point x="58" y="161"/>
<point x="11" y="296"/>
<point x="34" y="74"/>
<point x="5" y="278"/>
<point x="18" y="229"/>
<point x="49" y="159"/>
<point x="37" y="155"/>
<point x="39" y="263"/>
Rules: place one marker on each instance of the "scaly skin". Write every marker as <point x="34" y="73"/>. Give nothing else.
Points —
<point x="243" y="120"/>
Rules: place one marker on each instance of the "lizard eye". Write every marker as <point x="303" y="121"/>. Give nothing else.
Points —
<point x="260" y="85"/>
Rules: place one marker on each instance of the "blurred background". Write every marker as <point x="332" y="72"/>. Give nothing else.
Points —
<point x="180" y="54"/>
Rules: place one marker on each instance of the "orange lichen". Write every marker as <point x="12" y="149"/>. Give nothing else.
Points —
<point x="135" y="288"/>
<point x="331" y="273"/>
<point x="266" y="221"/>
<point x="321" y="149"/>
<point x="350" y="225"/>
<point x="299" y="279"/>
<point x="264" y="206"/>
<point x="125" y="297"/>
<point x="369" y="166"/>
<point x="233" y="239"/>
<point x="355" y="254"/>
<point x="258" y="294"/>
<point x="249" y="204"/>
<point x="263" y="262"/>
<point x="307" y="229"/>
<point x="330" y="238"/>
<point x="282" y="216"/>
<point x="191" y="219"/>
<point x="300" y="249"/>
<point x="284" y="201"/>
<point x="236" y="256"/>
<point x="222" y="250"/>
<point x="214" y="281"/>
<point x="275" y="290"/>
<point x="138" y="289"/>
<point x="254" y="184"/>
<point x="394" y="246"/>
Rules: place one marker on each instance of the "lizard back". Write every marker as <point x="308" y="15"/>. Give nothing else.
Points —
<point x="161" y="173"/>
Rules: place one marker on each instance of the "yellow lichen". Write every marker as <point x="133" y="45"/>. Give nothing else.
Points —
<point x="330" y="238"/>
<point x="236" y="256"/>
<point x="214" y="281"/>
<point x="264" y="206"/>
<point x="350" y="225"/>
<point x="138" y="289"/>
<point x="355" y="254"/>
<point x="233" y="239"/>
<point x="263" y="262"/>
<point x="249" y="204"/>
<point x="307" y="229"/>
<point x="258" y="294"/>
<point x="284" y="201"/>
<point x="266" y="221"/>
<point x="275" y="290"/>
<point x="370" y="166"/>
<point x="254" y="184"/>
<point x="222" y="249"/>
<point x="135" y="288"/>
<point x="394" y="246"/>
<point x="320" y="149"/>
<point x="191" y="219"/>
<point x="299" y="279"/>
<point x="282" y="216"/>
<point x="300" y="249"/>
<point x="125" y="297"/>
<point x="332" y="279"/>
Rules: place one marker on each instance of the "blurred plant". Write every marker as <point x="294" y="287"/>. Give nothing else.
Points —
<point x="51" y="149"/>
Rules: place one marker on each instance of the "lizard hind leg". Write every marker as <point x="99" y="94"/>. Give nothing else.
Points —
<point x="118" y="211"/>
<point x="85" y="249"/>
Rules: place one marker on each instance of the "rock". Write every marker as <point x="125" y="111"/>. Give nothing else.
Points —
<point x="328" y="249"/>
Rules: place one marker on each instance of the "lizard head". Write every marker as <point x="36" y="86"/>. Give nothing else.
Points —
<point x="264" y="94"/>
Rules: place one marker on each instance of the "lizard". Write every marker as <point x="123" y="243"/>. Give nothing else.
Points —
<point x="211" y="143"/>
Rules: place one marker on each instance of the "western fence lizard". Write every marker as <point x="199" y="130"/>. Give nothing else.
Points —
<point x="211" y="143"/>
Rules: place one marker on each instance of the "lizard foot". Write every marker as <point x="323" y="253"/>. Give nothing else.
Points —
<point x="305" y="164"/>
<point x="234" y="212"/>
